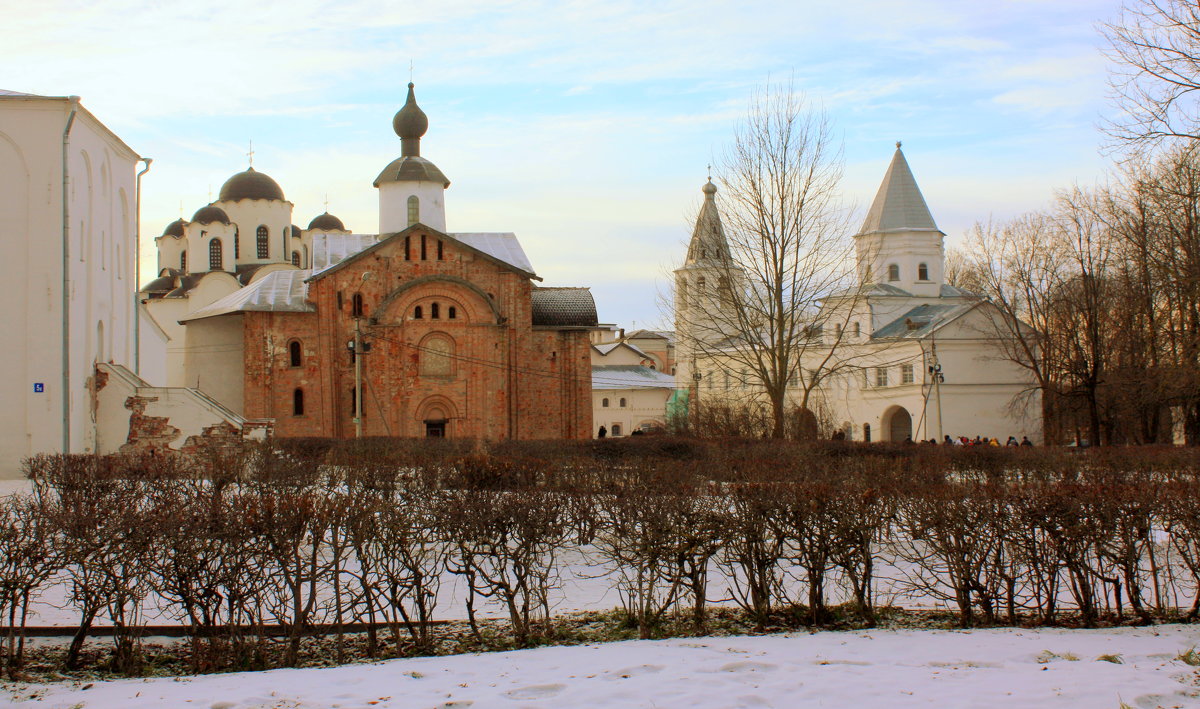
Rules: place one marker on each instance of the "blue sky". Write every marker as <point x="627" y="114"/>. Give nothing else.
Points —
<point x="583" y="126"/>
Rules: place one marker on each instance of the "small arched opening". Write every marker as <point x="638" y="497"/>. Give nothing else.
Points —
<point x="897" y="424"/>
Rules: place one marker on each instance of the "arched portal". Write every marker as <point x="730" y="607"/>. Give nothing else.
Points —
<point x="897" y="422"/>
<point x="435" y="416"/>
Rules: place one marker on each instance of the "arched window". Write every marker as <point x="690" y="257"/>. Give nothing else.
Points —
<point x="604" y="403"/>
<point x="700" y="285"/>
<point x="893" y="272"/>
<point x="923" y="272"/>
<point x="294" y="354"/>
<point x="437" y="356"/>
<point x="296" y="259"/>
<point x="215" y="261"/>
<point x="183" y="262"/>
<point x="452" y="313"/>
<point x="237" y="244"/>
<point x="356" y="305"/>
<point x="298" y="402"/>
<point x="435" y="311"/>
<point x="622" y="402"/>
<point x="682" y="292"/>
<point x="418" y="313"/>
<point x="867" y="432"/>
<point x="414" y="210"/>
<point x="857" y="328"/>
<point x="263" y="241"/>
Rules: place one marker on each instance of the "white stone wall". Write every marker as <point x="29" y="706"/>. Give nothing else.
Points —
<point x="248" y="215"/>
<point x="641" y="406"/>
<point x="393" y="205"/>
<point x="99" y="270"/>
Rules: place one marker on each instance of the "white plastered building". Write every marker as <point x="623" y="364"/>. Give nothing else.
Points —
<point x="68" y="196"/>
<point x="913" y="357"/>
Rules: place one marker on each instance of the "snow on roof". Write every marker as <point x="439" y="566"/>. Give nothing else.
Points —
<point x="607" y="347"/>
<point x="501" y="245"/>
<point x="922" y="320"/>
<point x="277" y="292"/>
<point x="329" y="250"/>
<point x="629" y="376"/>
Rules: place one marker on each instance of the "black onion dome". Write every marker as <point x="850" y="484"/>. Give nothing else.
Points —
<point x="327" y="222"/>
<point x="410" y="121"/>
<point x="250" y="184"/>
<point x="175" y="228"/>
<point x="210" y="214"/>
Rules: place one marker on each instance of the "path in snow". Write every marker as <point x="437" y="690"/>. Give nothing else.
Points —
<point x="980" y="668"/>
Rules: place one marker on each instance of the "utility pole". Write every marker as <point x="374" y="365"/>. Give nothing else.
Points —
<point x="935" y="371"/>
<point x="358" y="377"/>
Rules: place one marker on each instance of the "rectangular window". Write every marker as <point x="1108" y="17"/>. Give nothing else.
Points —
<point x="407" y="248"/>
<point x="906" y="374"/>
<point x="423" y="247"/>
<point x="881" y="378"/>
<point x="441" y="256"/>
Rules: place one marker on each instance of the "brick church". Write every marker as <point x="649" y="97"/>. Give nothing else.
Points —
<point x="414" y="331"/>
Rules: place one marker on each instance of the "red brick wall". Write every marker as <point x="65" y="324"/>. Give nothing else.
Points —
<point x="506" y="380"/>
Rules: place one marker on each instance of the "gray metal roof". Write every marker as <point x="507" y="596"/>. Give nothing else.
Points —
<point x="563" y="307"/>
<point x="607" y="347"/>
<point x="6" y="92"/>
<point x="630" y="376"/>
<point x="899" y="205"/>
<point x="922" y="320"/>
<point x="329" y="250"/>
<point x="412" y="168"/>
<point x="276" y="292"/>
<point x="502" y="245"/>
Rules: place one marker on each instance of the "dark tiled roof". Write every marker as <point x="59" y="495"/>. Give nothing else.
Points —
<point x="326" y="222"/>
<point x="411" y="168"/>
<point x="162" y="284"/>
<point x="250" y="184"/>
<point x="922" y="320"/>
<point x="186" y="284"/>
<point x="210" y="214"/>
<point x="175" y="228"/>
<point x="563" y="307"/>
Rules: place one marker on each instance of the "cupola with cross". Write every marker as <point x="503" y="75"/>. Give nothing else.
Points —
<point x="411" y="188"/>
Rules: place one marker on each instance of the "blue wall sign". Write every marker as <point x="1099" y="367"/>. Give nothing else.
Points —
<point x="39" y="387"/>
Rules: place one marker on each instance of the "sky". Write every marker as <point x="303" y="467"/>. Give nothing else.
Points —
<point x="584" y="126"/>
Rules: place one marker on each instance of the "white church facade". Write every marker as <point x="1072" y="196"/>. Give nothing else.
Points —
<point x="907" y="356"/>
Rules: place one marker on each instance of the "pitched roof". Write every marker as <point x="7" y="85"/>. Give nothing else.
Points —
<point x="899" y="205"/>
<point x="277" y="292"/>
<point x="608" y="347"/>
<point x="629" y="376"/>
<point x="923" y="320"/>
<point x="708" y="236"/>
<point x="563" y="307"/>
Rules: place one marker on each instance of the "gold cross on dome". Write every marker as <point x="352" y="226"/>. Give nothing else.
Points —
<point x="251" y="153"/>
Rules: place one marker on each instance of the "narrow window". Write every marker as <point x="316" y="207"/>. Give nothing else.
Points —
<point x="857" y="329"/>
<point x="294" y="356"/>
<point x="418" y="313"/>
<point x="340" y="303"/>
<point x="683" y="292"/>
<point x="452" y="313"/>
<point x="700" y="285"/>
<point x="867" y="432"/>
<point x="354" y="404"/>
<point x="305" y="262"/>
<point x="434" y="311"/>
<point x="906" y="374"/>
<point x="441" y="256"/>
<point x="893" y="272"/>
<point x="183" y="262"/>
<point x="881" y="377"/>
<point x="263" y="241"/>
<point x="923" y="272"/>
<point x="296" y="259"/>
<point x="622" y="402"/>
<point x="356" y="305"/>
<point x="237" y="244"/>
<point x="408" y="248"/>
<point x="423" y="247"/>
<point x="604" y="403"/>
<point x="414" y="210"/>
<point x="298" y="402"/>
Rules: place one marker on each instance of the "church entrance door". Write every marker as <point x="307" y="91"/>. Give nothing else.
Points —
<point x="435" y="429"/>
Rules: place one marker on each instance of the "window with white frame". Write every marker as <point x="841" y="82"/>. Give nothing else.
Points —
<point x="881" y="376"/>
<point x="906" y="374"/>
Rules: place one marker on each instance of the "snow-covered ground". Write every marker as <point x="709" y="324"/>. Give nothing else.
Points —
<point x="911" y="668"/>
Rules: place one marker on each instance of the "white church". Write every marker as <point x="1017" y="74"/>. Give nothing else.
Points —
<point x="911" y="357"/>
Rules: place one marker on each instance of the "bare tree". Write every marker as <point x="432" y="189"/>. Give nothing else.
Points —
<point x="1156" y="46"/>
<point x="753" y="307"/>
